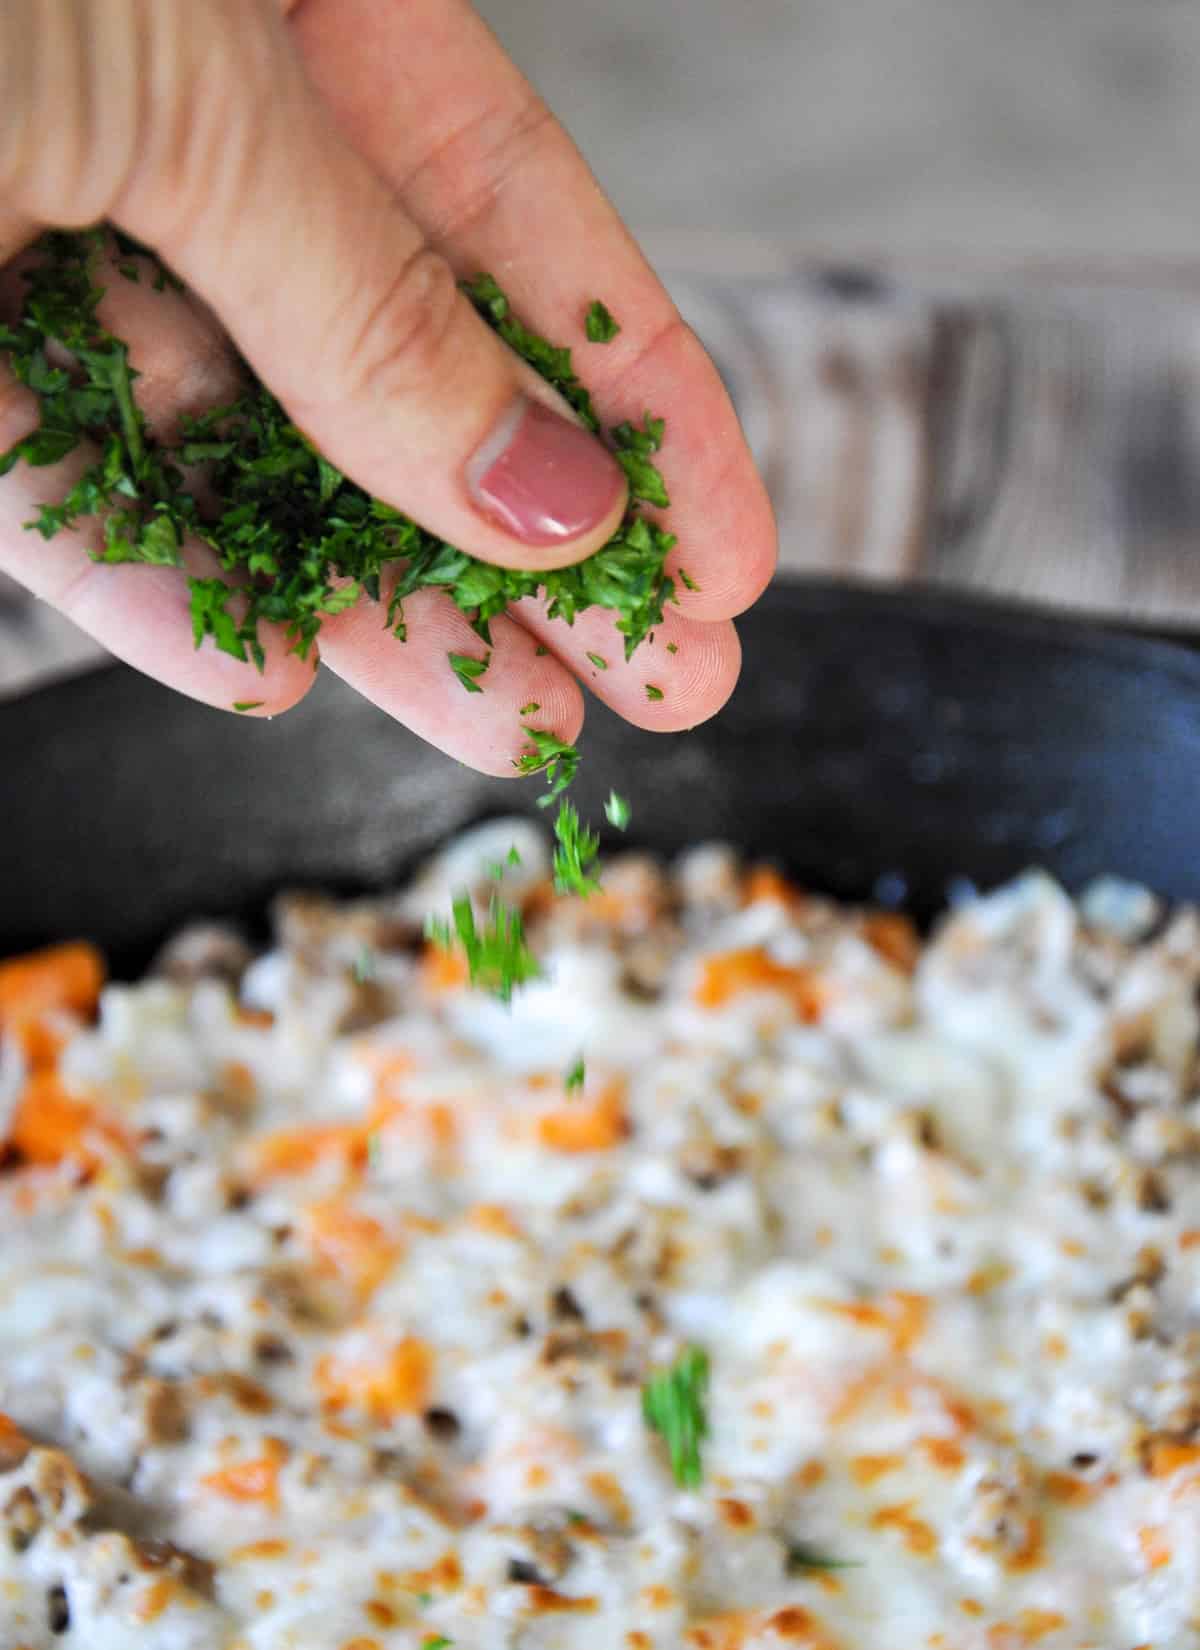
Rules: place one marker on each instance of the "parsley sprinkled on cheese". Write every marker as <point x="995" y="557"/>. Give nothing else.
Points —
<point x="498" y="958"/>
<point x="673" y="1406"/>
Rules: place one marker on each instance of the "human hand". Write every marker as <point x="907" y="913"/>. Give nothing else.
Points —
<point x="320" y="173"/>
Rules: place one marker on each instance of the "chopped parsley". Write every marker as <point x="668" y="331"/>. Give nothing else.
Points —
<point x="437" y="1641"/>
<point x="552" y="756"/>
<point x="576" y="1077"/>
<point x="634" y="450"/>
<point x="599" y="324"/>
<point x="575" y="850"/>
<point x="801" y="1558"/>
<point x="672" y="647"/>
<point x="497" y="955"/>
<point x="468" y="670"/>
<point x="531" y="709"/>
<point x="303" y="542"/>
<point x="654" y="694"/>
<point x="308" y="542"/>
<point x="688" y="583"/>
<point x="673" y="1406"/>
<point x="617" y="811"/>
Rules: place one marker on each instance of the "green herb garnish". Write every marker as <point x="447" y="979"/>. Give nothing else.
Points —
<point x="468" y="670"/>
<point x="634" y="449"/>
<point x="654" y="694"/>
<point x="531" y="709"/>
<point x="552" y="756"/>
<point x="672" y="647"/>
<point x="437" y="1641"/>
<point x="599" y="662"/>
<point x="599" y="324"/>
<point x="576" y="1077"/>
<point x="248" y="704"/>
<point x="575" y="852"/>
<point x="309" y="542"/>
<point x="617" y="811"/>
<point x="498" y="958"/>
<point x="688" y="583"/>
<point x="802" y="1558"/>
<point x="673" y="1406"/>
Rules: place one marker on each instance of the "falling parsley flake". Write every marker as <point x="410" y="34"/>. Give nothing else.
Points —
<point x="673" y="1406"/>
<point x="576" y="847"/>
<point x="497" y="955"/>
<point x="468" y="670"/>
<point x="576" y="1077"/>
<point x="617" y="811"/>
<point x="599" y="324"/>
<point x="550" y="755"/>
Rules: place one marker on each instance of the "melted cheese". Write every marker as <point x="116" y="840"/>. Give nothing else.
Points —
<point x="355" y="1305"/>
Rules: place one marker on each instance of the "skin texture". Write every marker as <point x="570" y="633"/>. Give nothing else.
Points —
<point x="321" y="174"/>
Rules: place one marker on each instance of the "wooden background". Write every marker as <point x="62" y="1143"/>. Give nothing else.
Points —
<point x="1033" y="434"/>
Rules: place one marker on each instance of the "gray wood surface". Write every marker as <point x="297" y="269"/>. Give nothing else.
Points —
<point x="1021" y="433"/>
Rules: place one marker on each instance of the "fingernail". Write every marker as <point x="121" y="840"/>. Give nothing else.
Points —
<point x="543" y="478"/>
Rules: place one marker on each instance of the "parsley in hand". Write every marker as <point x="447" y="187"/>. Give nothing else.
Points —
<point x="308" y="541"/>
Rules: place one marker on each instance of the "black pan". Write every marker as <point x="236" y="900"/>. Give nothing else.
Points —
<point x="879" y="744"/>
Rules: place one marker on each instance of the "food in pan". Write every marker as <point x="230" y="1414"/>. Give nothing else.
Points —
<point x="762" y="1277"/>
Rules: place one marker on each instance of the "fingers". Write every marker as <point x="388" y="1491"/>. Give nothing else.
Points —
<point x="428" y="96"/>
<point x="413" y="680"/>
<point x="141" y="614"/>
<point x="194" y="127"/>
<point x="676" y="681"/>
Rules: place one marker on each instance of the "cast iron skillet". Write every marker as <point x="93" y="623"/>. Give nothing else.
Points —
<point x="909" y="738"/>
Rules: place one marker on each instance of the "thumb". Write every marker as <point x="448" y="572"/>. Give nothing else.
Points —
<point x="190" y="124"/>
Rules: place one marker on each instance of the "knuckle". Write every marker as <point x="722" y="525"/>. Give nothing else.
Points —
<point x="401" y="345"/>
<point x="470" y="173"/>
<point x="68" y="129"/>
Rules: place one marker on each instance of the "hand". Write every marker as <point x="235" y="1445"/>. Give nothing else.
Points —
<point x="320" y="173"/>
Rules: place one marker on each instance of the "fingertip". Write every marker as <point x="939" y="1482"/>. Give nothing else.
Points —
<point x="725" y="585"/>
<point x="695" y="685"/>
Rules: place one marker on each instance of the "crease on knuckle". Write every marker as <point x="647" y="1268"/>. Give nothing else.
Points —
<point x="468" y="171"/>
<point x="397" y="348"/>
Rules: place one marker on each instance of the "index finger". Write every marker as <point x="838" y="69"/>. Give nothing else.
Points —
<point x="428" y="96"/>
